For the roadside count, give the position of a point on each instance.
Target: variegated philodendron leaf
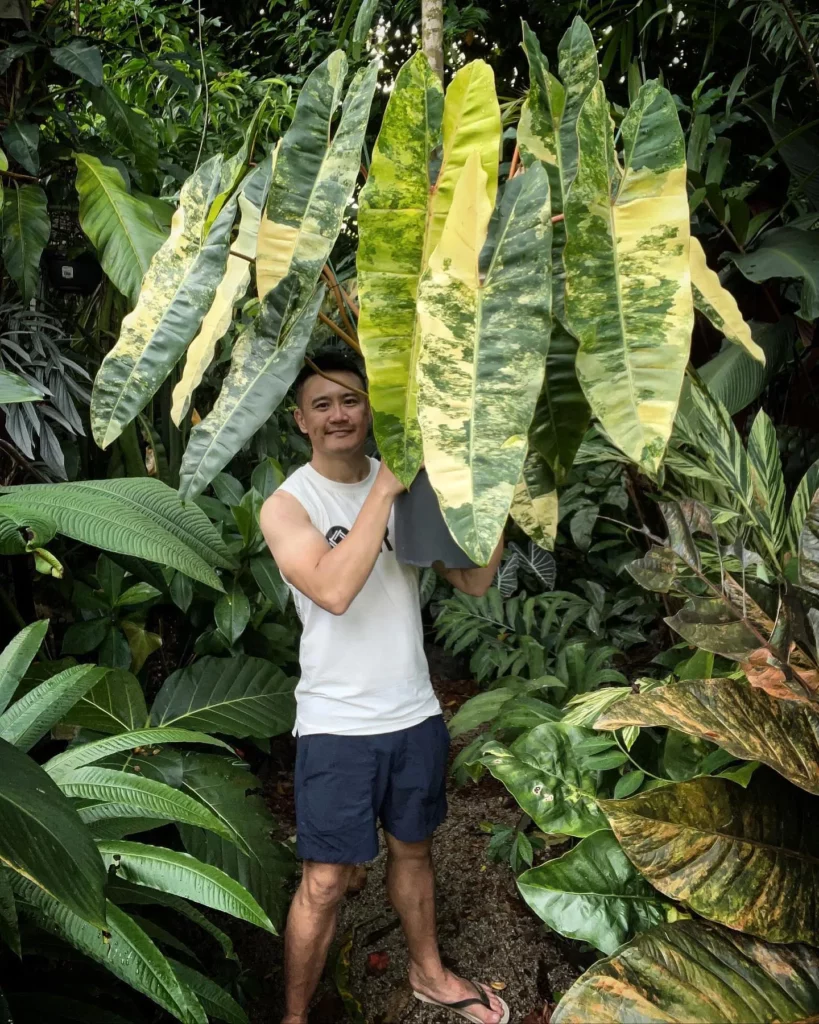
(314, 178)
(266, 359)
(400, 221)
(718, 304)
(628, 284)
(176, 293)
(483, 351)
(534, 504)
(231, 288)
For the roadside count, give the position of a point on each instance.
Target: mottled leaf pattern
(628, 288)
(481, 365)
(534, 503)
(709, 623)
(718, 304)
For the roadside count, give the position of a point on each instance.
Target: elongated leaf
(232, 287)
(119, 225)
(534, 504)
(26, 229)
(116, 704)
(176, 293)
(14, 388)
(809, 548)
(127, 952)
(314, 179)
(484, 346)
(81, 59)
(143, 796)
(269, 580)
(790, 253)
(87, 753)
(129, 127)
(240, 696)
(593, 893)
(9, 926)
(542, 773)
(710, 624)
(745, 721)
(718, 304)
(727, 853)
(216, 1002)
(22, 141)
(691, 972)
(266, 360)
(16, 657)
(768, 480)
(43, 840)
(232, 613)
(32, 715)
(185, 876)
(800, 504)
(628, 293)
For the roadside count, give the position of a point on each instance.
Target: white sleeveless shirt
(363, 672)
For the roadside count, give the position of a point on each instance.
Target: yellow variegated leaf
(231, 288)
(483, 352)
(628, 284)
(534, 503)
(718, 304)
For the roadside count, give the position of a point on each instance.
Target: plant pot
(421, 533)
(80, 274)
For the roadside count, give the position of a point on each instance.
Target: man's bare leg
(311, 925)
(411, 888)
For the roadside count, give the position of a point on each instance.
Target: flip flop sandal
(460, 1007)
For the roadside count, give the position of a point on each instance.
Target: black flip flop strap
(462, 1004)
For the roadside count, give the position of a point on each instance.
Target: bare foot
(449, 988)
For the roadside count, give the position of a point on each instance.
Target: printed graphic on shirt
(336, 534)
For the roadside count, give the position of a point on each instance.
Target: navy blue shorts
(345, 784)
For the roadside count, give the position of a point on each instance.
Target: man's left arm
(474, 582)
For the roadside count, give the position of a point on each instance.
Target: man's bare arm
(474, 582)
(331, 577)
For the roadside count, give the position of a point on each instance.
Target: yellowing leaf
(718, 304)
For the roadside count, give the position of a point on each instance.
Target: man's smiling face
(335, 416)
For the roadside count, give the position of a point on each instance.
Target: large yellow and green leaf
(314, 177)
(177, 291)
(483, 351)
(628, 285)
(534, 503)
(402, 210)
(718, 304)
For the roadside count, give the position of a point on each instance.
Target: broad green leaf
(484, 346)
(628, 291)
(22, 141)
(594, 894)
(269, 580)
(790, 253)
(232, 613)
(216, 1002)
(657, 571)
(14, 388)
(84, 637)
(232, 287)
(130, 128)
(143, 518)
(804, 494)
(707, 622)
(177, 291)
(33, 715)
(26, 229)
(401, 217)
(185, 876)
(727, 852)
(744, 720)
(534, 503)
(543, 774)
(119, 225)
(145, 797)
(87, 753)
(767, 479)
(266, 360)
(114, 705)
(692, 972)
(809, 548)
(481, 708)
(127, 951)
(718, 304)
(16, 657)
(80, 58)
(43, 840)
(239, 696)
(9, 926)
(523, 712)
(314, 178)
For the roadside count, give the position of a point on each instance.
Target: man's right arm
(330, 577)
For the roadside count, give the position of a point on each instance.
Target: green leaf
(185, 876)
(800, 504)
(594, 894)
(119, 225)
(33, 715)
(790, 253)
(363, 23)
(525, 713)
(691, 838)
(22, 141)
(26, 229)
(718, 304)
(767, 477)
(474, 419)
(127, 952)
(116, 704)
(9, 927)
(709, 623)
(80, 58)
(84, 637)
(479, 709)
(266, 360)
(628, 295)
(14, 388)
(534, 503)
(269, 580)
(809, 548)
(115, 651)
(698, 973)
(232, 613)
(543, 774)
(43, 839)
(131, 129)
(656, 571)
(87, 753)
(216, 1002)
(239, 696)
(16, 657)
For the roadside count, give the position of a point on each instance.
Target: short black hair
(330, 362)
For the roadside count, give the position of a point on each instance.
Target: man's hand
(387, 482)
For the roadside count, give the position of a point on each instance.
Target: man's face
(335, 417)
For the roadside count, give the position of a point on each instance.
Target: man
(371, 740)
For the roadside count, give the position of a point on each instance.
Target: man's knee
(324, 885)
(409, 853)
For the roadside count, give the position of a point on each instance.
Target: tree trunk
(432, 34)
